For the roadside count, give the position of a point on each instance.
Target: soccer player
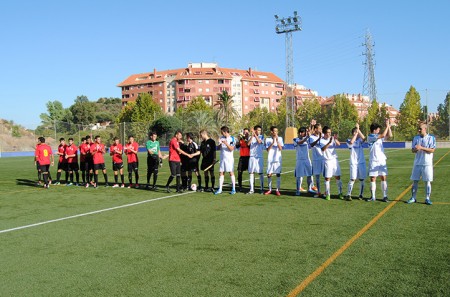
(175, 160)
(190, 165)
(318, 161)
(131, 149)
(71, 154)
(227, 144)
(62, 162)
(116, 152)
(208, 152)
(85, 150)
(153, 158)
(256, 161)
(244, 155)
(38, 167)
(303, 165)
(423, 145)
(328, 145)
(377, 159)
(44, 157)
(357, 162)
(82, 160)
(274, 146)
(97, 151)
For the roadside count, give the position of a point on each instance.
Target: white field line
(110, 209)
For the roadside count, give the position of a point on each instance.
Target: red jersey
(116, 153)
(244, 149)
(72, 150)
(85, 151)
(131, 157)
(97, 151)
(62, 150)
(173, 152)
(43, 153)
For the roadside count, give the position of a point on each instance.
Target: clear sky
(57, 50)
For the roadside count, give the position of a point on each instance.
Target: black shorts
(152, 163)
(189, 167)
(243, 163)
(117, 166)
(83, 166)
(206, 164)
(73, 166)
(175, 168)
(133, 166)
(89, 164)
(44, 168)
(100, 166)
(63, 166)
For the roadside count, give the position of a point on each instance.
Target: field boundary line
(297, 290)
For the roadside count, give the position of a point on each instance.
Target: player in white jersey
(377, 159)
(227, 144)
(357, 162)
(274, 146)
(303, 165)
(423, 145)
(256, 162)
(331, 168)
(317, 155)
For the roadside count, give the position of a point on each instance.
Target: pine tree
(410, 114)
(441, 124)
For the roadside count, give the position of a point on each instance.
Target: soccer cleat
(328, 197)
(122, 186)
(341, 196)
(95, 186)
(115, 186)
(250, 193)
(360, 197)
(136, 186)
(411, 200)
(318, 195)
(106, 185)
(130, 186)
(86, 185)
(232, 192)
(314, 188)
(154, 188)
(57, 183)
(277, 193)
(218, 192)
(385, 199)
(302, 190)
(297, 193)
(428, 202)
(167, 189)
(348, 198)
(69, 184)
(371, 199)
(268, 192)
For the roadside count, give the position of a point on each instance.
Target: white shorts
(331, 168)
(317, 167)
(424, 171)
(303, 168)
(377, 169)
(256, 165)
(226, 165)
(358, 171)
(274, 168)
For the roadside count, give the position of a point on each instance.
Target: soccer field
(73, 241)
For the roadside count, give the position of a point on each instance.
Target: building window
(180, 90)
(199, 81)
(220, 81)
(256, 83)
(207, 90)
(206, 81)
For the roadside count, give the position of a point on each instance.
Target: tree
(202, 120)
(442, 125)
(166, 126)
(342, 115)
(375, 114)
(146, 110)
(226, 112)
(83, 111)
(196, 104)
(309, 110)
(126, 112)
(260, 116)
(55, 112)
(410, 112)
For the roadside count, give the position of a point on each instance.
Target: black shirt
(208, 151)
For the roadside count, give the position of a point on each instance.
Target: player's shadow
(26, 182)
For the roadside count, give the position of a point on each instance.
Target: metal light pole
(287, 26)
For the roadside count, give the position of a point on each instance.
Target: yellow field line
(336, 254)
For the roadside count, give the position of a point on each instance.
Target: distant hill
(14, 137)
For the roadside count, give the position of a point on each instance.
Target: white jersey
(424, 158)
(274, 155)
(256, 149)
(330, 152)
(225, 153)
(316, 150)
(301, 149)
(376, 149)
(356, 151)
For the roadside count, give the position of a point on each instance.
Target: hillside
(14, 137)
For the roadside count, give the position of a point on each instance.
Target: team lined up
(184, 158)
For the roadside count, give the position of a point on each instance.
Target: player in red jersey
(175, 161)
(116, 151)
(88, 161)
(72, 162)
(97, 152)
(131, 150)
(44, 157)
(244, 155)
(82, 160)
(62, 162)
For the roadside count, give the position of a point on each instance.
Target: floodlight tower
(287, 26)
(369, 87)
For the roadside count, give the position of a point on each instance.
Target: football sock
(221, 179)
(71, 177)
(116, 178)
(339, 184)
(206, 181)
(318, 183)
(233, 182)
(199, 180)
(373, 188)
(189, 181)
(252, 182)
(106, 177)
(261, 181)
(45, 176)
(184, 182)
(149, 175)
(350, 187)
(310, 182)
(300, 181)
(122, 178)
(39, 175)
(327, 187)
(130, 177)
(96, 179)
(136, 176)
(213, 181)
(168, 181)
(240, 179)
(155, 178)
(384, 188)
(66, 175)
(361, 187)
(77, 176)
(83, 176)
(428, 189)
(269, 183)
(278, 183)
(414, 188)
(178, 182)
(58, 176)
